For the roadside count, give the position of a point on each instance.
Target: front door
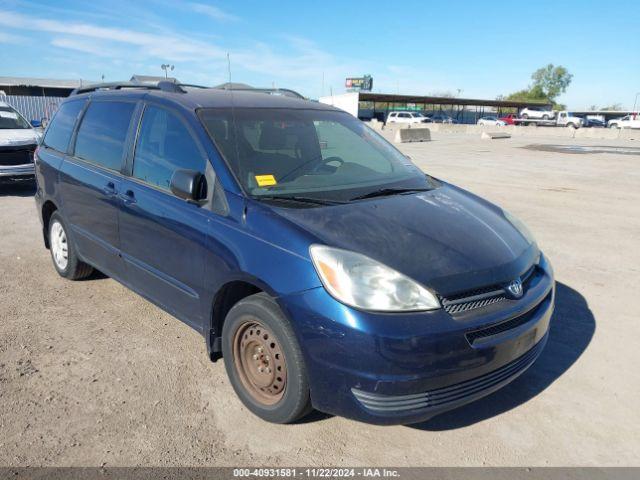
(163, 238)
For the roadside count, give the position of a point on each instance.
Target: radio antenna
(232, 127)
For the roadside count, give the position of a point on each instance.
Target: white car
(407, 118)
(628, 121)
(535, 112)
(493, 121)
(18, 141)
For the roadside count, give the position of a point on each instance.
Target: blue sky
(484, 48)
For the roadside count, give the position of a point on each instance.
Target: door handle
(128, 197)
(109, 189)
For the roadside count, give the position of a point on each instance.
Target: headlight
(521, 227)
(361, 282)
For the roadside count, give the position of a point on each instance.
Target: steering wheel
(324, 165)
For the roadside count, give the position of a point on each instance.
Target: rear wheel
(63, 252)
(524, 115)
(545, 117)
(264, 361)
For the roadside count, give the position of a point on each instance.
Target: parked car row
(410, 117)
(527, 116)
(531, 116)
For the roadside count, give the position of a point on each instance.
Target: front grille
(504, 326)
(480, 297)
(17, 155)
(453, 395)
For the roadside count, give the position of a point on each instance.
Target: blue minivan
(318, 261)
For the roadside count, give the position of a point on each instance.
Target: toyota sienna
(318, 261)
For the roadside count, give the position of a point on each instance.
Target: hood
(447, 239)
(18, 136)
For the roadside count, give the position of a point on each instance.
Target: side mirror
(189, 185)
(36, 123)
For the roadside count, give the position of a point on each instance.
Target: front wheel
(264, 361)
(524, 115)
(545, 117)
(613, 125)
(63, 252)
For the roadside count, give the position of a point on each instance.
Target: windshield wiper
(295, 198)
(385, 192)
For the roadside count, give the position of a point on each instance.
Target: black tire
(545, 117)
(75, 268)
(295, 401)
(524, 115)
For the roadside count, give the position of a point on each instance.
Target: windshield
(315, 153)
(11, 120)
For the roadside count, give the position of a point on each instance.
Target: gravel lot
(92, 374)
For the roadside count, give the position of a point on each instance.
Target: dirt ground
(92, 374)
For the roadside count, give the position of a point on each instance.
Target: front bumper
(26, 171)
(407, 368)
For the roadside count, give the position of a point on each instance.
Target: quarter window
(103, 132)
(164, 146)
(59, 132)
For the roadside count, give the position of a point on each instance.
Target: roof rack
(286, 92)
(165, 86)
(169, 86)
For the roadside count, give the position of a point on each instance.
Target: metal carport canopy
(393, 98)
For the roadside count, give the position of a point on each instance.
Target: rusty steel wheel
(260, 362)
(264, 361)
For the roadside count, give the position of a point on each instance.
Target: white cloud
(212, 12)
(169, 46)
(11, 38)
(287, 61)
(84, 46)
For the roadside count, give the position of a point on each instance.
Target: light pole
(635, 102)
(165, 67)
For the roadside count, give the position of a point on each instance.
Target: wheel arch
(48, 209)
(225, 298)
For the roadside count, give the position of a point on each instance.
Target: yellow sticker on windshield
(265, 180)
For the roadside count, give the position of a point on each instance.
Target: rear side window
(103, 132)
(59, 132)
(164, 146)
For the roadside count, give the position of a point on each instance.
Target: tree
(548, 83)
(531, 94)
(551, 80)
(617, 107)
